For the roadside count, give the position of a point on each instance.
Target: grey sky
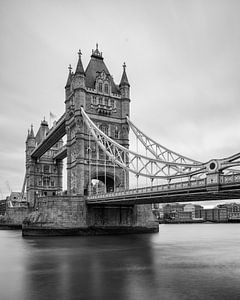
(183, 64)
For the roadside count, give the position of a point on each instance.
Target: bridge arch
(102, 182)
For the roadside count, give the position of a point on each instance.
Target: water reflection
(181, 262)
(90, 267)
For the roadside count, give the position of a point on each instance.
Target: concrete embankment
(13, 217)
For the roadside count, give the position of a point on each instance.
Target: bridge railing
(228, 179)
(152, 189)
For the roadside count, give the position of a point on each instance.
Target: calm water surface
(200, 261)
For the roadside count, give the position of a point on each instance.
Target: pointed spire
(28, 135)
(124, 79)
(31, 133)
(69, 76)
(79, 69)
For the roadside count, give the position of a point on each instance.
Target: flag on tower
(51, 118)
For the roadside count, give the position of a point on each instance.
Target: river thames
(187, 261)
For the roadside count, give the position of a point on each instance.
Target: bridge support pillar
(70, 215)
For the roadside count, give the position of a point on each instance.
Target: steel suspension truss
(140, 165)
(161, 152)
(158, 150)
(165, 163)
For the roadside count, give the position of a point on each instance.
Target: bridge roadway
(188, 191)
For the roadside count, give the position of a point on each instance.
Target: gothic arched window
(100, 87)
(116, 133)
(94, 100)
(106, 101)
(106, 89)
(46, 181)
(112, 103)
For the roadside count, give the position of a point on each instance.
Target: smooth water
(189, 261)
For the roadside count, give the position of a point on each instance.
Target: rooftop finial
(96, 53)
(79, 69)
(124, 79)
(31, 133)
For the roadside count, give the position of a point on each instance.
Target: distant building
(212, 214)
(190, 208)
(184, 216)
(2, 207)
(183, 213)
(16, 199)
(233, 211)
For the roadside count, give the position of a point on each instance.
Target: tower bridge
(99, 200)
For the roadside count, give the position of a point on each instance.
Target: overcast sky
(183, 64)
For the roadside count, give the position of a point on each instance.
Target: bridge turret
(68, 84)
(42, 131)
(78, 84)
(30, 142)
(30, 145)
(125, 92)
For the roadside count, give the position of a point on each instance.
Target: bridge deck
(189, 191)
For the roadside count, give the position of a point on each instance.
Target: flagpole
(50, 125)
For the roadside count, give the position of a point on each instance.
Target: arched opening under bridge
(102, 183)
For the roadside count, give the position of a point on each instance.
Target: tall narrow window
(106, 88)
(100, 100)
(100, 87)
(46, 169)
(94, 100)
(46, 181)
(116, 133)
(106, 101)
(112, 103)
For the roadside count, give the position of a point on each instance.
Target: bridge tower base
(69, 215)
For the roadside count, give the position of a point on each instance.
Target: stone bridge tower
(107, 104)
(43, 175)
(88, 168)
